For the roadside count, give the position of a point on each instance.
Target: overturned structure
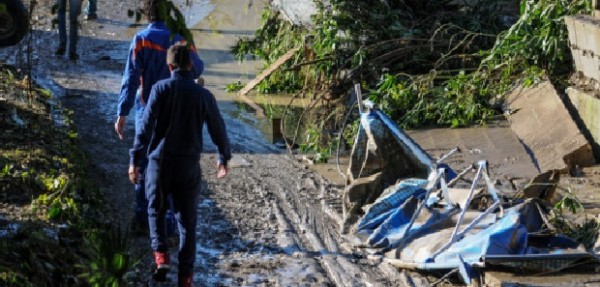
(402, 204)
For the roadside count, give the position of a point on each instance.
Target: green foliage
(568, 202)
(313, 143)
(37, 258)
(433, 63)
(416, 101)
(271, 41)
(539, 38)
(585, 233)
(110, 257)
(448, 80)
(234, 87)
(174, 20)
(43, 165)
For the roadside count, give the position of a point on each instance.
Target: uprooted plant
(433, 62)
(585, 232)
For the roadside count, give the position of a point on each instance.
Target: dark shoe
(163, 264)
(73, 56)
(90, 17)
(60, 51)
(185, 281)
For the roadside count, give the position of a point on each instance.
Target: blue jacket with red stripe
(147, 64)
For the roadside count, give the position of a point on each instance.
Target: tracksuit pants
(141, 203)
(181, 178)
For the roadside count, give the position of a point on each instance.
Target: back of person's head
(178, 56)
(151, 7)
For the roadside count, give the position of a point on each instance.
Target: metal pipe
(479, 218)
(444, 157)
(463, 211)
(444, 187)
(481, 165)
(460, 175)
(358, 91)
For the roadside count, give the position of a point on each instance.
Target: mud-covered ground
(272, 221)
(263, 225)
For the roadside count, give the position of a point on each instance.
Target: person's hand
(119, 125)
(222, 171)
(134, 174)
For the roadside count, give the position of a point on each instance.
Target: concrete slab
(586, 64)
(543, 124)
(495, 143)
(584, 38)
(570, 22)
(579, 23)
(588, 108)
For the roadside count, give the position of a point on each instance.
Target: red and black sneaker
(163, 264)
(185, 281)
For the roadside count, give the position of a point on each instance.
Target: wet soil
(273, 221)
(264, 224)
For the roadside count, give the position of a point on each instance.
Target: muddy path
(271, 222)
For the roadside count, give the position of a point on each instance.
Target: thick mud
(263, 225)
(272, 221)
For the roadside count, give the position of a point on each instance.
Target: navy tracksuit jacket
(171, 136)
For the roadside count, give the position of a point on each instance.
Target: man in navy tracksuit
(146, 64)
(171, 135)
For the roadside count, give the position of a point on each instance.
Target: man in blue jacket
(146, 64)
(171, 135)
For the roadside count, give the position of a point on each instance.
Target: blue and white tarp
(416, 223)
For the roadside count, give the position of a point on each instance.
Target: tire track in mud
(264, 225)
(318, 231)
(292, 200)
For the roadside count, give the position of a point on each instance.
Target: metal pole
(358, 91)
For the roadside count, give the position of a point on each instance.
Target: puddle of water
(270, 125)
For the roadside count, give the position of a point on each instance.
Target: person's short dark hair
(178, 56)
(151, 7)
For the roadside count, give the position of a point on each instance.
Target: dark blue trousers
(141, 203)
(181, 178)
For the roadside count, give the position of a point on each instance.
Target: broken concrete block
(569, 21)
(588, 108)
(584, 38)
(546, 129)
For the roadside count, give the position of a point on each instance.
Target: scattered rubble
(418, 220)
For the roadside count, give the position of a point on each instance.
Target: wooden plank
(243, 92)
(267, 72)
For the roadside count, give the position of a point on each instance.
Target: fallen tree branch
(243, 92)
(267, 72)
(295, 67)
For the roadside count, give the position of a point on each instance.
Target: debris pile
(402, 204)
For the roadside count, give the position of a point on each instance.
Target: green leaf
(54, 212)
